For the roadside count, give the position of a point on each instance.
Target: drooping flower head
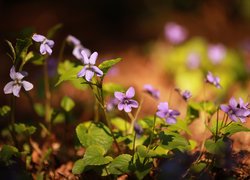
(138, 129)
(46, 44)
(78, 47)
(126, 102)
(168, 114)
(193, 60)
(151, 91)
(214, 80)
(184, 94)
(175, 33)
(236, 110)
(89, 69)
(15, 85)
(216, 53)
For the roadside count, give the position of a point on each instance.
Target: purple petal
(89, 75)
(171, 120)
(8, 88)
(85, 57)
(48, 49)
(73, 40)
(130, 92)
(127, 108)
(82, 72)
(42, 49)
(210, 77)
(233, 117)
(120, 106)
(50, 43)
(77, 53)
(233, 103)
(97, 71)
(225, 108)
(133, 103)
(174, 113)
(13, 73)
(27, 85)
(19, 76)
(243, 120)
(16, 90)
(119, 95)
(161, 114)
(93, 58)
(38, 38)
(163, 107)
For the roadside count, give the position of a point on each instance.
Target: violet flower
(126, 102)
(216, 53)
(236, 110)
(78, 47)
(138, 129)
(175, 33)
(89, 69)
(46, 44)
(15, 85)
(184, 94)
(214, 80)
(151, 91)
(111, 104)
(168, 114)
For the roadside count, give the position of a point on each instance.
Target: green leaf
(12, 49)
(71, 74)
(197, 168)
(22, 46)
(112, 87)
(4, 110)
(78, 166)
(7, 152)
(170, 141)
(120, 165)
(94, 155)
(106, 65)
(120, 123)
(28, 57)
(234, 128)
(180, 125)
(53, 30)
(144, 152)
(218, 148)
(67, 103)
(22, 128)
(95, 134)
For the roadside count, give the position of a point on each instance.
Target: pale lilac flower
(175, 33)
(216, 53)
(126, 102)
(89, 69)
(78, 47)
(46, 44)
(112, 103)
(193, 60)
(15, 85)
(214, 80)
(236, 110)
(151, 91)
(168, 114)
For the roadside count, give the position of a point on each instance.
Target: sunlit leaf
(71, 74)
(12, 49)
(106, 65)
(22, 128)
(4, 110)
(120, 124)
(78, 166)
(234, 128)
(67, 103)
(22, 46)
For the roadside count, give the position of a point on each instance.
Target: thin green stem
(60, 58)
(133, 147)
(152, 135)
(13, 120)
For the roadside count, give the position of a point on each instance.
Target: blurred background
(166, 43)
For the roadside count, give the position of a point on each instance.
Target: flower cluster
(46, 44)
(168, 114)
(126, 102)
(89, 69)
(15, 85)
(236, 110)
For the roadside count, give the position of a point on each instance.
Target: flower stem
(13, 119)
(60, 58)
